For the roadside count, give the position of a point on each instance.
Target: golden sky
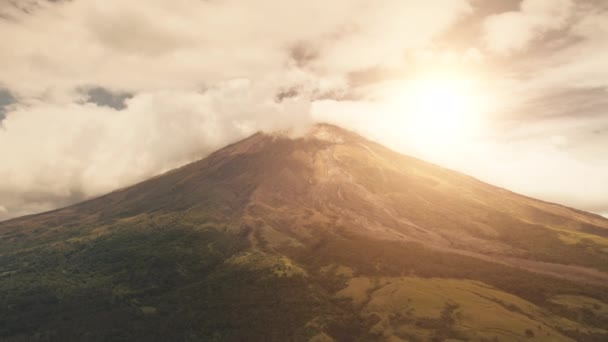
(96, 95)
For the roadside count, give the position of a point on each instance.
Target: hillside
(324, 237)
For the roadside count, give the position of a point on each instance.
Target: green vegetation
(173, 283)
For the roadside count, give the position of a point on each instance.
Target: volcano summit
(324, 237)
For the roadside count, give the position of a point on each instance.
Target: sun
(441, 110)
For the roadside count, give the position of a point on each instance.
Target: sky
(98, 95)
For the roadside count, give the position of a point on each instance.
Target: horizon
(97, 96)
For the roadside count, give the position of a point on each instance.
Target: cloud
(569, 78)
(103, 97)
(582, 63)
(58, 154)
(6, 99)
(509, 32)
(110, 93)
(121, 45)
(100, 95)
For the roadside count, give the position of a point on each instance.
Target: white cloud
(581, 64)
(56, 149)
(512, 31)
(54, 152)
(371, 39)
(123, 45)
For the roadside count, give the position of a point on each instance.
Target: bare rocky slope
(324, 237)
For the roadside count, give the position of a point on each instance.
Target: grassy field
(417, 309)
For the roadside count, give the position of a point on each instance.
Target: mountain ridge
(286, 134)
(317, 229)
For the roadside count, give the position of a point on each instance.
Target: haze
(98, 95)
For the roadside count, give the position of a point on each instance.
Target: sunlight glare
(441, 110)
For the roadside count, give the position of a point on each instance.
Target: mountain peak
(297, 237)
(319, 131)
(331, 133)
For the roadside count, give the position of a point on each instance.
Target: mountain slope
(327, 236)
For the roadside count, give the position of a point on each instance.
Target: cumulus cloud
(61, 153)
(509, 32)
(112, 92)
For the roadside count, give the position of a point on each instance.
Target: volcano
(323, 237)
